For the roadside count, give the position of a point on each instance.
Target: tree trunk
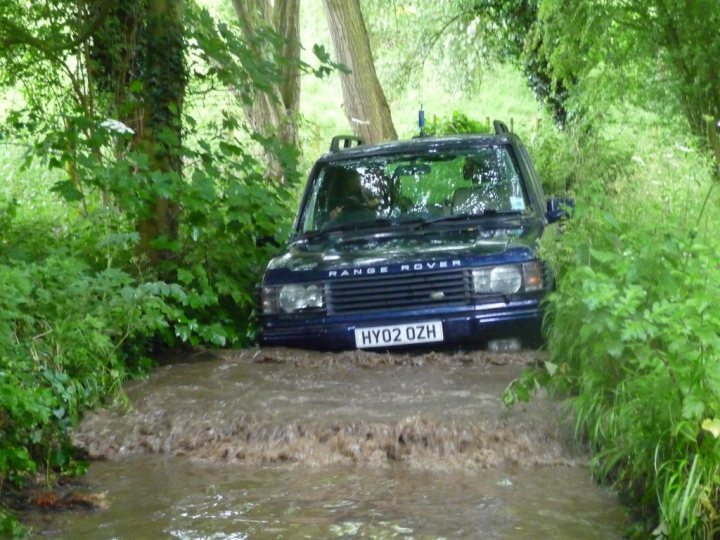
(365, 104)
(274, 112)
(161, 136)
(286, 19)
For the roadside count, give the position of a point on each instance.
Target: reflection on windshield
(385, 191)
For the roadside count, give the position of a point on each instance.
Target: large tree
(273, 108)
(365, 104)
(164, 79)
(81, 62)
(135, 66)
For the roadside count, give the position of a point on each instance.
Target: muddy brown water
(290, 444)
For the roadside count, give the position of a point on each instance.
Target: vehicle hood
(510, 241)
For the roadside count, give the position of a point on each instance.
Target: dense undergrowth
(136, 212)
(65, 331)
(633, 329)
(81, 309)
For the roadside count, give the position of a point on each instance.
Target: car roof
(419, 145)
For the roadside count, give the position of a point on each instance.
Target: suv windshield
(382, 190)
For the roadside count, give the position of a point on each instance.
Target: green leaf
(602, 256)
(693, 407)
(711, 425)
(67, 190)
(612, 221)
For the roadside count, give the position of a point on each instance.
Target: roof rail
(345, 140)
(500, 127)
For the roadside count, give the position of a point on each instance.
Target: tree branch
(17, 35)
(425, 47)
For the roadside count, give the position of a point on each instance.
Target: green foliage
(215, 201)
(456, 43)
(63, 328)
(82, 298)
(456, 124)
(421, 42)
(643, 327)
(633, 336)
(573, 159)
(579, 57)
(531, 380)
(658, 54)
(10, 527)
(73, 325)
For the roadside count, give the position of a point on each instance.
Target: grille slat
(384, 295)
(422, 289)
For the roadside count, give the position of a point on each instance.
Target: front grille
(398, 291)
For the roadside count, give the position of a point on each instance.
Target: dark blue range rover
(426, 242)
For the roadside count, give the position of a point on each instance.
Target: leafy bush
(456, 124)
(633, 339)
(634, 335)
(226, 204)
(569, 160)
(62, 332)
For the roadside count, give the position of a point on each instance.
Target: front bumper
(463, 325)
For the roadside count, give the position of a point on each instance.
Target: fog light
(504, 345)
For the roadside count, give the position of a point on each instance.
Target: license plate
(398, 334)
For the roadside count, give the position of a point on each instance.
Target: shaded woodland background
(146, 145)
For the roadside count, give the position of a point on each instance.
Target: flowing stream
(294, 444)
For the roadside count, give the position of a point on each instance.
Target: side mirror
(262, 241)
(559, 208)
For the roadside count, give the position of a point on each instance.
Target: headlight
(295, 297)
(292, 297)
(314, 296)
(505, 279)
(509, 278)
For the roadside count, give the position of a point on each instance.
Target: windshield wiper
(465, 217)
(413, 224)
(360, 225)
